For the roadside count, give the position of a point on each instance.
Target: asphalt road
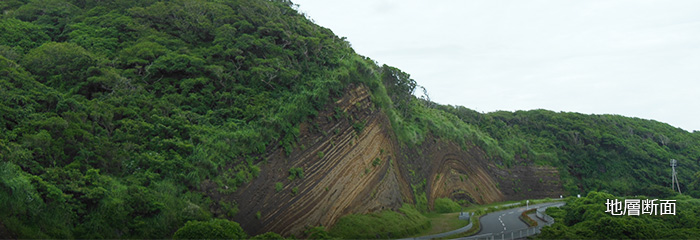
(506, 220)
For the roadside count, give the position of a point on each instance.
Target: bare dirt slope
(352, 163)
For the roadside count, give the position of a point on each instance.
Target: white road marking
(502, 223)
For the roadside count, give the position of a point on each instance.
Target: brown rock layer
(349, 167)
(352, 163)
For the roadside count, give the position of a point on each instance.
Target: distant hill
(139, 118)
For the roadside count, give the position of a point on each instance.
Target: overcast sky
(633, 58)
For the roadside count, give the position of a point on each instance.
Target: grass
(446, 205)
(442, 222)
(386, 224)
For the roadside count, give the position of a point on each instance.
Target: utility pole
(674, 177)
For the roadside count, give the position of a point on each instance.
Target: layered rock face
(352, 163)
(349, 165)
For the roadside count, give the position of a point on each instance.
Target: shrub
(317, 233)
(268, 235)
(376, 162)
(278, 186)
(446, 205)
(212, 229)
(296, 172)
(527, 219)
(359, 126)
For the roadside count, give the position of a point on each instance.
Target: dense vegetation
(212, 229)
(113, 113)
(104, 103)
(626, 156)
(585, 218)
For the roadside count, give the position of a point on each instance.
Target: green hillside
(625, 156)
(113, 113)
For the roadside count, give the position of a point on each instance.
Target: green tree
(212, 229)
(399, 86)
(52, 15)
(20, 35)
(60, 65)
(694, 186)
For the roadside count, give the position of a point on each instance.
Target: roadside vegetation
(527, 219)
(446, 205)
(585, 218)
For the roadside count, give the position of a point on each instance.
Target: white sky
(634, 58)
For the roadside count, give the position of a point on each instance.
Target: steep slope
(352, 163)
(341, 173)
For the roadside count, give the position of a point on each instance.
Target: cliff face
(458, 173)
(352, 163)
(349, 163)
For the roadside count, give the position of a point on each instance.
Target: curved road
(507, 220)
(497, 222)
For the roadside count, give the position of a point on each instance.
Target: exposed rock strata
(353, 164)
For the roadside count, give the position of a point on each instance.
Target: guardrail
(520, 233)
(546, 218)
(442, 235)
(465, 216)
